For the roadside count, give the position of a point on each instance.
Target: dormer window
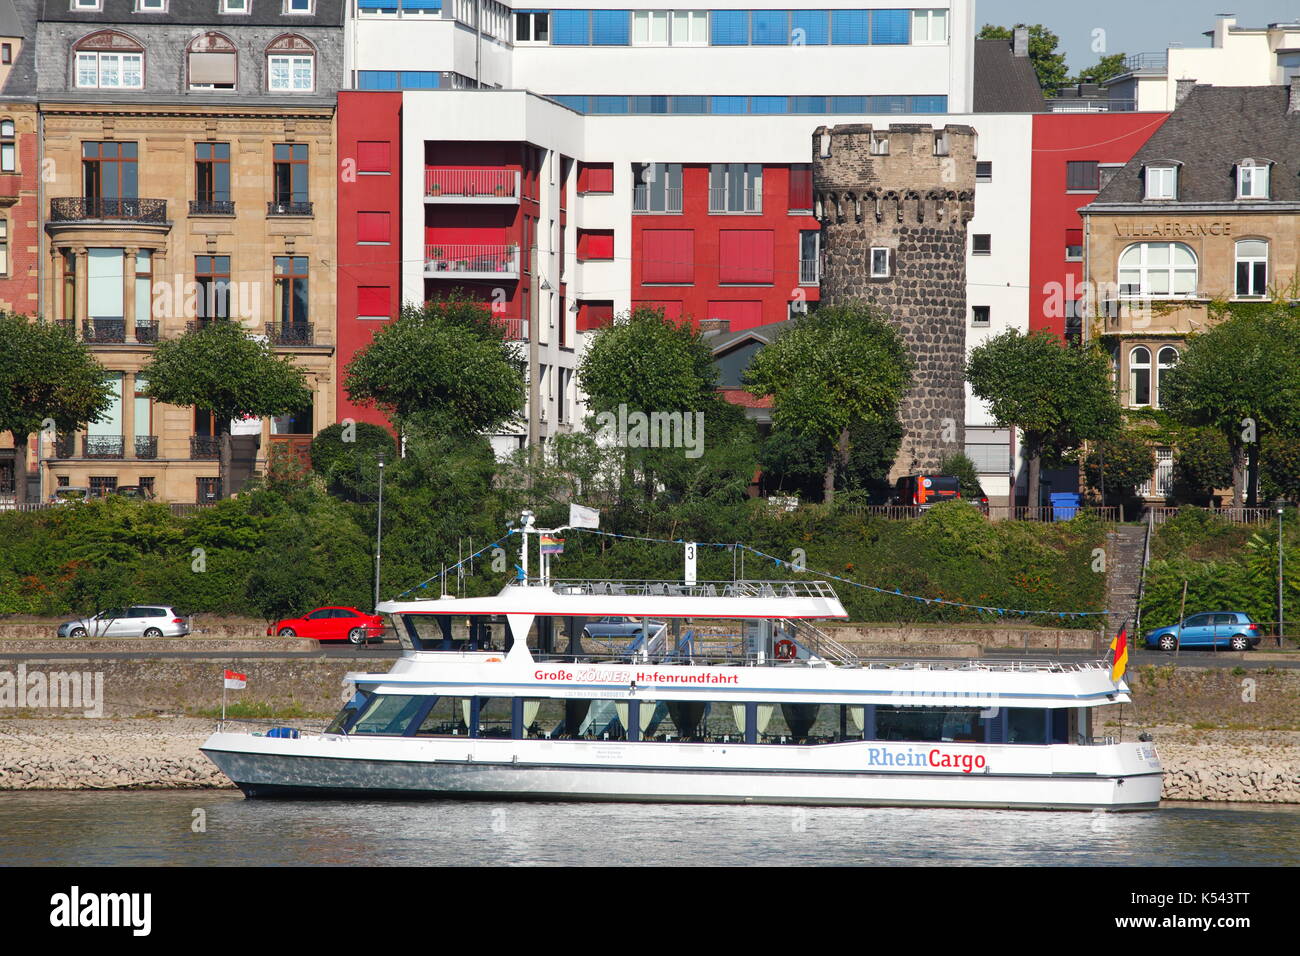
(212, 62)
(291, 65)
(150, 6)
(109, 60)
(234, 6)
(1252, 180)
(86, 5)
(1161, 182)
(298, 6)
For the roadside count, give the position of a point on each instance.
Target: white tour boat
(719, 692)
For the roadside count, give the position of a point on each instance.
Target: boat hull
(308, 768)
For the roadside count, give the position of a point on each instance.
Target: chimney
(1020, 45)
(1293, 104)
(1185, 87)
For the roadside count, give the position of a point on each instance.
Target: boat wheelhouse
(727, 692)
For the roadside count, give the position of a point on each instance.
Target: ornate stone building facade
(894, 205)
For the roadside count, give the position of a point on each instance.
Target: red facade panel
(668, 255)
(670, 309)
(595, 244)
(373, 227)
(745, 255)
(595, 177)
(741, 314)
(374, 301)
(801, 188)
(374, 156)
(594, 315)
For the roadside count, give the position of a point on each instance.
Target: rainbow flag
(552, 545)
(1119, 663)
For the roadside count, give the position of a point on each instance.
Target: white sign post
(690, 562)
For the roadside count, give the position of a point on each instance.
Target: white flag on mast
(583, 517)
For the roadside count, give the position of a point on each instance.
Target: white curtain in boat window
(530, 712)
(859, 715)
(104, 283)
(644, 716)
(764, 716)
(110, 422)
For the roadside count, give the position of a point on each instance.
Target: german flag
(1119, 647)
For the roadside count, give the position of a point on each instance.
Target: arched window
(1157, 269)
(290, 65)
(8, 147)
(1252, 266)
(1166, 359)
(212, 62)
(1139, 377)
(109, 60)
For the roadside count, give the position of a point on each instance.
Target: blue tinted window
(848, 104)
(809, 104)
(890, 26)
(848, 26)
(729, 27)
(649, 104)
(929, 104)
(610, 27)
(569, 27)
(730, 104)
(578, 103)
(768, 104)
(771, 27)
(690, 104)
(421, 4)
(889, 104)
(812, 23)
(378, 5)
(377, 80)
(419, 79)
(609, 104)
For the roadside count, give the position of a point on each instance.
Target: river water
(166, 828)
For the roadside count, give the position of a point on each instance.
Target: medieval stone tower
(893, 205)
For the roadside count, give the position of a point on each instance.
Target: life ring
(785, 650)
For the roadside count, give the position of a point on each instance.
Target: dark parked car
(924, 491)
(1226, 629)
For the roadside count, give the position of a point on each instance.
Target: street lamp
(1280, 607)
(379, 529)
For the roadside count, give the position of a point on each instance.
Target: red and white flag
(236, 681)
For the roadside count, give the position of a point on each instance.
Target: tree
(1104, 69)
(220, 367)
(45, 373)
(1279, 466)
(1126, 462)
(1242, 378)
(1202, 464)
(1058, 395)
(347, 457)
(963, 469)
(841, 366)
(1048, 64)
(446, 361)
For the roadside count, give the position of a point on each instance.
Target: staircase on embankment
(1125, 555)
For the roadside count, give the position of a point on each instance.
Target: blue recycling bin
(1065, 505)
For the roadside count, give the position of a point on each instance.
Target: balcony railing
(723, 200)
(466, 261)
(65, 445)
(83, 208)
(516, 330)
(146, 332)
(1147, 61)
(100, 331)
(300, 334)
(146, 446)
(475, 184)
(105, 446)
(276, 208)
(667, 200)
(212, 207)
(809, 273)
(67, 325)
(205, 447)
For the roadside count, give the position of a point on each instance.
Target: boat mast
(525, 529)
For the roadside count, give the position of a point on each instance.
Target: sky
(1131, 26)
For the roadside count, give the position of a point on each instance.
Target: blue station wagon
(1221, 629)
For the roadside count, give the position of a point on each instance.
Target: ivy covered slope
(1227, 567)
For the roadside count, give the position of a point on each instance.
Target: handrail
(704, 656)
(742, 588)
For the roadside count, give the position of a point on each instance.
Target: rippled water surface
(156, 829)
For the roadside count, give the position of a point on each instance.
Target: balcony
(104, 331)
(723, 200)
(1157, 62)
(276, 208)
(809, 273)
(212, 207)
(299, 334)
(492, 186)
(666, 200)
(146, 332)
(65, 445)
(516, 330)
(445, 261)
(86, 209)
(105, 446)
(205, 447)
(67, 325)
(146, 446)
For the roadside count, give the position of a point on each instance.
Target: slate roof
(18, 18)
(207, 13)
(1004, 82)
(1208, 134)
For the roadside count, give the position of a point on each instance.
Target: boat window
(494, 718)
(552, 719)
(388, 714)
(450, 717)
(340, 721)
(1026, 725)
(925, 724)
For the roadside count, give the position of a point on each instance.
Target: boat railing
(310, 729)
(742, 588)
(697, 653)
(818, 642)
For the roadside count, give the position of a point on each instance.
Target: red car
(332, 624)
